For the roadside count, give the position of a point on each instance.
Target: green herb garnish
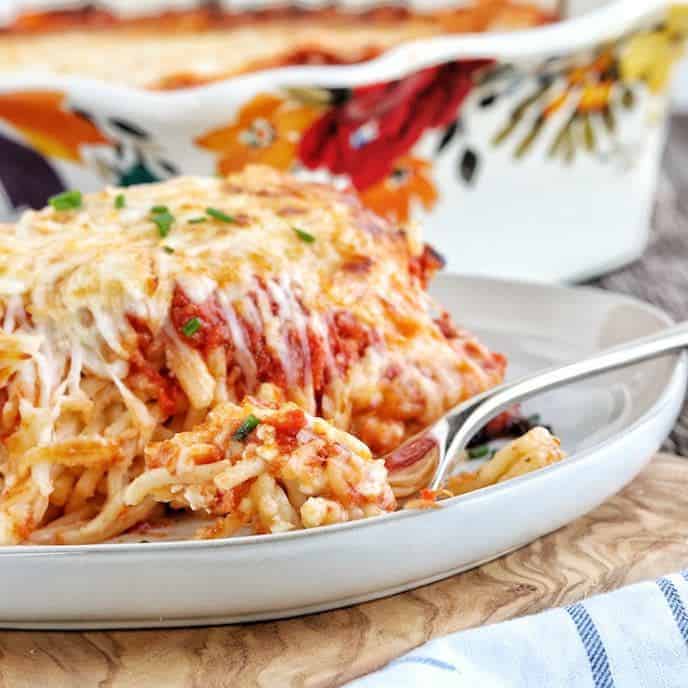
(163, 219)
(191, 326)
(304, 236)
(478, 452)
(219, 215)
(120, 201)
(160, 209)
(168, 249)
(67, 200)
(246, 428)
(197, 220)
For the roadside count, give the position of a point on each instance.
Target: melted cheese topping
(98, 260)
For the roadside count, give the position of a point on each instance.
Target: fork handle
(635, 351)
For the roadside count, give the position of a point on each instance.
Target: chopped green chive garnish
(191, 326)
(197, 220)
(168, 249)
(478, 452)
(219, 215)
(67, 200)
(120, 201)
(163, 219)
(160, 209)
(304, 236)
(246, 428)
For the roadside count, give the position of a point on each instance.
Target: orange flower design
(267, 131)
(408, 182)
(45, 123)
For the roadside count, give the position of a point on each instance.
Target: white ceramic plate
(610, 427)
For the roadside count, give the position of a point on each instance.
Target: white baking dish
(545, 170)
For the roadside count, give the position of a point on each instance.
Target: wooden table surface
(640, 534)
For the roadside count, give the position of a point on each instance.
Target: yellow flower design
(267, 131)
(650, 55)
(408, 182)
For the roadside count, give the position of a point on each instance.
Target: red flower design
(363, 136)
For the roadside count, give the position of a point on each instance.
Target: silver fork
(452, 433)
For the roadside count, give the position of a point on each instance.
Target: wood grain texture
(639, 534)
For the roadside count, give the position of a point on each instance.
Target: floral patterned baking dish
(529, 153)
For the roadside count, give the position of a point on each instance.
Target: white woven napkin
(635, 637)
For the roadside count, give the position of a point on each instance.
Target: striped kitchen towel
(635, 637)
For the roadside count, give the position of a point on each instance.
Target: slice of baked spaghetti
(129, 315)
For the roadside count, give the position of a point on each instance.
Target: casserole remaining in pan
(178, 49)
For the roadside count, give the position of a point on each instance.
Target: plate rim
(679, 375)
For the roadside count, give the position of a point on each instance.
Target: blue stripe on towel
(673, 599)
(685, 574)
(427, 661)
(594, 648)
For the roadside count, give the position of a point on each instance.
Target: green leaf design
(310, 96)
(569, 147)
(559, 142)
(588, 133)
(468, 166)
(609, 119)
(530, 137)
(447, 136)
(137, 174)
(517, 114)
(627, 98)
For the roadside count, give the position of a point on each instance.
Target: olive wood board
(639, 534)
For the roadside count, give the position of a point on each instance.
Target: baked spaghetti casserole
(241, 347)
(186, 48)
